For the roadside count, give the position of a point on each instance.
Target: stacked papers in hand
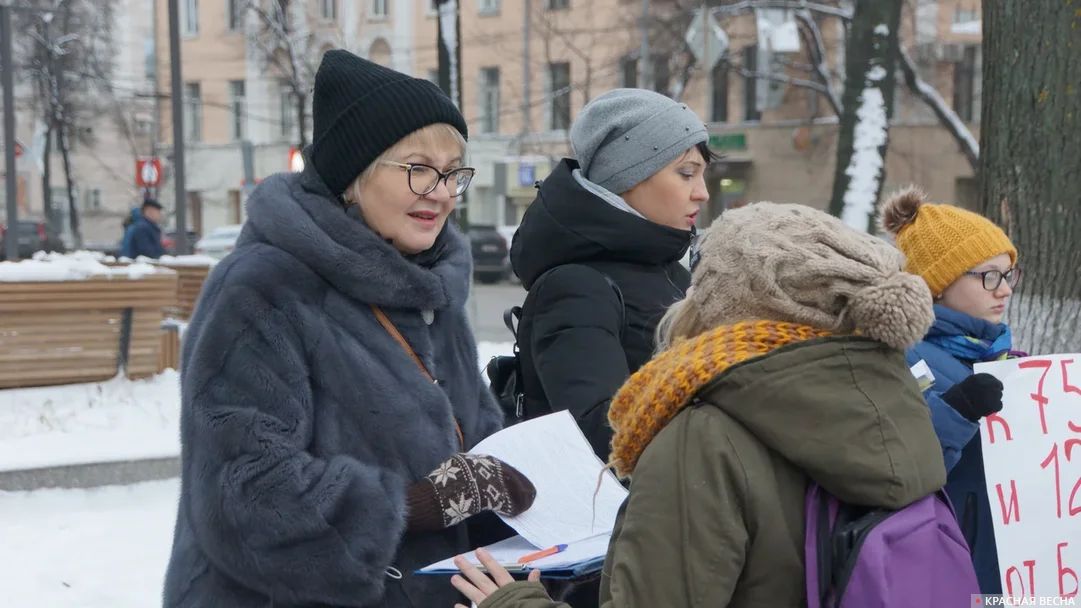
(582, 557)
(576, 497)
(576, 505)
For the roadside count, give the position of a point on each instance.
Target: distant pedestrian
(143, 235)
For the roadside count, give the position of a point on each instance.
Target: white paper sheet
(508, 552)
(923, 375)
(552, 452)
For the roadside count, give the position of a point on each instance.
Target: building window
(193, 111)
(329, 10)
(964, 85)
(629, 68)
(92, 200)
(558, 5)
(191, 17)
(288, 107)
(488, 7)
(662, 74)
(719, 92)
(965, 15)
(379, 7)
(750, 84)
(559, 79)
(237, 109)
(235, 16)
(489, 100)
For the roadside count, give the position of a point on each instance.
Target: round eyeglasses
(423, 179)
(993, 278)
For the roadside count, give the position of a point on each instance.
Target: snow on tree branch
(949, 119)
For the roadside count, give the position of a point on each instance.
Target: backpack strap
(509, 316)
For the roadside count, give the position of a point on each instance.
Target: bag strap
(388, 325)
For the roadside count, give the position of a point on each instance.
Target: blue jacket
(303, 421)
(961, 447)
(143, 237)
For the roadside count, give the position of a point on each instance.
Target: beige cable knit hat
(792, 263)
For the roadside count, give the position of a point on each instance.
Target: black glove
(975, 396)
(464, 485)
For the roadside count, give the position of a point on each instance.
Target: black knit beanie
(361, 108)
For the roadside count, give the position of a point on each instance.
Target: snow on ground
(105, 421)
(103, 547)
(99, 548)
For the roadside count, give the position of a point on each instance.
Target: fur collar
(299, 215)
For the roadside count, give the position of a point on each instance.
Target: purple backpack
(859, 557)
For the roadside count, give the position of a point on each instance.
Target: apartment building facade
(528, 66)
(104, 149)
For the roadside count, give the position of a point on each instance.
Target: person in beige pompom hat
(783, 365)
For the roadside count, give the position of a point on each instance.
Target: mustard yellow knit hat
(941, 242)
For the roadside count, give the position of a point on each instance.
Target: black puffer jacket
(578, 345)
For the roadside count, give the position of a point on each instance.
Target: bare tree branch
(746, 5)
(816, 48)
(796, 82)
(949, 119)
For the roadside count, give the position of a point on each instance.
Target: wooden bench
(63, 332)
(190, 279)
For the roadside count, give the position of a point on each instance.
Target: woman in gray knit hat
(784, 365)
(599, 252)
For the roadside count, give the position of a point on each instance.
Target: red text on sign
(1063, 572)
(1040, 399)
(1013, 572)
(1013, 510)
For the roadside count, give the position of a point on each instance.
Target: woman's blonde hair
(432, 136)
(680, 321)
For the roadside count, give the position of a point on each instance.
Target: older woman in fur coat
(330, 380)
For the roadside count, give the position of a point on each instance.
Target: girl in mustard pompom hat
(970, 265)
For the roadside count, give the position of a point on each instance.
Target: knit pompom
(900, 209)
(897, 311)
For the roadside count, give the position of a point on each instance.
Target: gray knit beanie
(795, 264)
(626, 135)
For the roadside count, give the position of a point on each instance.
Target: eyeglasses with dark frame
(992, 279)
(423, 179)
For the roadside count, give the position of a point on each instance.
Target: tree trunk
(73, 210)
(1030, 161)
(302, 118)
(870, 52)
(47, 182)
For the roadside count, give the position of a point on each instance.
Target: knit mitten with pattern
(463, 486)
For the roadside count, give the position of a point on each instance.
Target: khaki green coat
(715, 516)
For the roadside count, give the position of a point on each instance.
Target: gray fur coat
(303, 421)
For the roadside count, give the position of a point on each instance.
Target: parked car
(508, 236)
(220, 242)
(168, 240)
(491, 263)
(32, 236)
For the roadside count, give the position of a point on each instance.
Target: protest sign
(1032, 459)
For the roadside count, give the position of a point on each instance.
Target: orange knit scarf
(664, 386)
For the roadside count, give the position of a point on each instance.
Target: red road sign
(148, 172)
